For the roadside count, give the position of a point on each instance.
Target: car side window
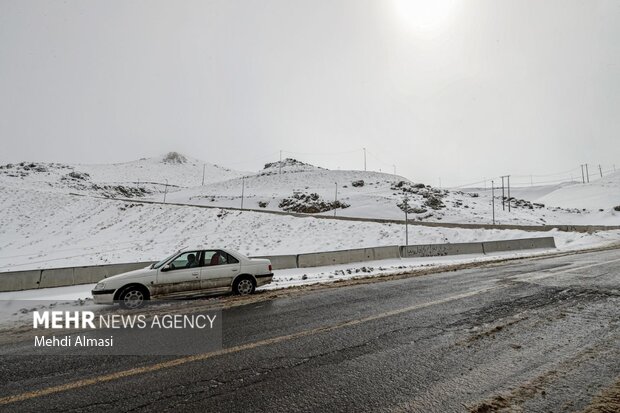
(211, 258)
(215, 257)
(231, 259)
(189, 259)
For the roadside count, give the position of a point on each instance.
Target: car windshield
(162, 262)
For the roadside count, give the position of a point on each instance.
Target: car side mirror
(165, 268)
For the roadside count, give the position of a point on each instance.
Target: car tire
(133, 297)
(244, 285)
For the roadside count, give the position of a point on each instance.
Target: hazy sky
(441, 88)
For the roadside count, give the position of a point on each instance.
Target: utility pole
(587, 173)
(583, 177)
(336, 199)
(508, 193)
(493, 199)
(503, 197)
(406, 205)
(280, 164)
(531, 180)
(204, 166)
(365, 160)
(165, 191)
(242, 190)
(507, 177)
(600, 170)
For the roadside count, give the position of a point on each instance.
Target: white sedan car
(185, 273)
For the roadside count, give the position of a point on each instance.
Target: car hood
(128, 275)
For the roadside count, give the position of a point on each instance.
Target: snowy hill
(603, 193)
(53, 214)
(300, 187)
(47, 230)
(130, 179)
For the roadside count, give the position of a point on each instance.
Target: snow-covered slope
(304, 188)
(53, 215)
(603, 193)
(130, 179)
(43, 230)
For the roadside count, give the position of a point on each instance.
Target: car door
(182, 274)
(219, 270)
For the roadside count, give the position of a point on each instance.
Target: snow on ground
(17, 306)
(377, 195)
(43, 223)
(299, 187)
(601, 193)
(136, 178)
(47, 230)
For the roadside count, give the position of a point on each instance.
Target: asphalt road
(529, 335)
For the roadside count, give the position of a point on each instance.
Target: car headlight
(99, 286)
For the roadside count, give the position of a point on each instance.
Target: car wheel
(132, 297)
(244, 286)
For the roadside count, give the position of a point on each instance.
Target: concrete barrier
(58, 277)
(385, 253)
(518, 244)
(20, 280)
(319, 259)
(93, 274)
(282, 262)
(439, 250)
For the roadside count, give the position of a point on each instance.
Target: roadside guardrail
(59, 277)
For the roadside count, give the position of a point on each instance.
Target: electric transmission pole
(280, 167)
(507, 177)
(406, 205)
(508, 193)
(583, 177)
(600, 170)
(587, 173)
(242, 190)
(336, 199)
(503, 195)
(364, 159)
(493, 199)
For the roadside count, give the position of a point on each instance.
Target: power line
(323, 153)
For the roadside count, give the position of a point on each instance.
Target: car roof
(203, 248)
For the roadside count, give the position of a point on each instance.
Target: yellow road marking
(198, 357)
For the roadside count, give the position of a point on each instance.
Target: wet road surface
(528, 335)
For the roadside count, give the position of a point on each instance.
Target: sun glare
(425, 15)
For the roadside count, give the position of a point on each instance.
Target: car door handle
(235, 269)
(195, 273)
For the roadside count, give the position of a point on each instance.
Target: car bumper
(103, 296)
(263, 279)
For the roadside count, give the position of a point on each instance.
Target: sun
(425, 15)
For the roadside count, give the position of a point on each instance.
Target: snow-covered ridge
(380, 195)
(47, 230)
(288, 165)
(146, 176)
(43, 226)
